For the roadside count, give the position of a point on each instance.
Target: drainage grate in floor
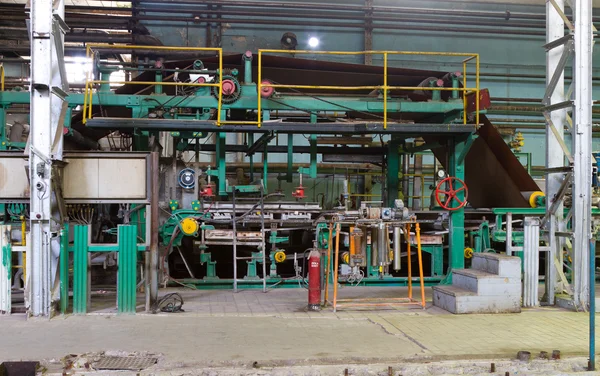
(129, 363)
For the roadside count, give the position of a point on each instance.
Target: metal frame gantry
(577, 172)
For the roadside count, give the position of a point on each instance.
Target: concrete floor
(224, 329)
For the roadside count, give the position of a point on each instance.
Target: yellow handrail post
(1, 77)
(259, 90)
(220, 51)
(328, 267)
(465, 92)
(477, 93)
(385, 89)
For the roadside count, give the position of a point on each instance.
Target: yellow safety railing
(1, 77)
(89, 84)
(385, 87)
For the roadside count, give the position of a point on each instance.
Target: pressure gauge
(187, 178)
(441, 174)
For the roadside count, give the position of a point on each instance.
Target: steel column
(582, 151)
(47, 109)
(457, 217)
(80, 269)
(393, 169)
(127, 275)
(555, 29)
(531, 260)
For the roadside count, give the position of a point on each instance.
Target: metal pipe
(374, 246)
(397, 248)
(383, 254)
(592, 322)
(152, 275)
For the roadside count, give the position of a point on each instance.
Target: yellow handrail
(88, 93)
(465, 90)
(1, 77)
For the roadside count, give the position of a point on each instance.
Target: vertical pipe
(464, 92)
(328, 270)
(262, 231)
(374, 246)
(220, 104)
(409, 279)
(531, 236)
(64, 269)
(592, 342)
(336, 263)
(259, 90)
(477, 94)
(152, 264)
(5, 270)
(417, 204)
(397, 248)
(420, 256)
(385, 89)
(383, 252)
(234, 240)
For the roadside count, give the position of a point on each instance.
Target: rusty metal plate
(129, 363)
(493, 174)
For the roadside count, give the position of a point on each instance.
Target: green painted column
(251, 157)
(221, 145)
(457, 151)
(393, 169)
(64, 269)
(127, 273)
(80, 269)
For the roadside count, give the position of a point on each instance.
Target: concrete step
(495, 263)
(484, 283)
(460, 301)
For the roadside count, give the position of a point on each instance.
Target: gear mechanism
(231, 89)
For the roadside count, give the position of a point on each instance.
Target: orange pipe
(407, 236)
(327, 271)
(418, 234)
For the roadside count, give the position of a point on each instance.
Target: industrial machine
(255, 156)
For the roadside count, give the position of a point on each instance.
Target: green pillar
(64, 269)
(221, 145)
(80, 269)
(393, 169)
(457, 151)
(127, 273)
(265, 168)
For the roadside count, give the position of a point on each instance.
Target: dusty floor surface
(256, 333)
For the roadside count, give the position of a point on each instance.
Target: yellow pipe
(385, 90)
(371, 52)
(24, 243)
(464, 92)
(220, 88)
(1, 77)
(477, 97)
(420, 256)
(259, 89)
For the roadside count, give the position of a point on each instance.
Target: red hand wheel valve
(449, 188)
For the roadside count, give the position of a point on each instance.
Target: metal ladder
(263, 245)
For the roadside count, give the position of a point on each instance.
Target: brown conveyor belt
(494, 175)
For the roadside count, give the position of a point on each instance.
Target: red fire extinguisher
(314, 280)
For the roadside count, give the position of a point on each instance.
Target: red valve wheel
(449, 188)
